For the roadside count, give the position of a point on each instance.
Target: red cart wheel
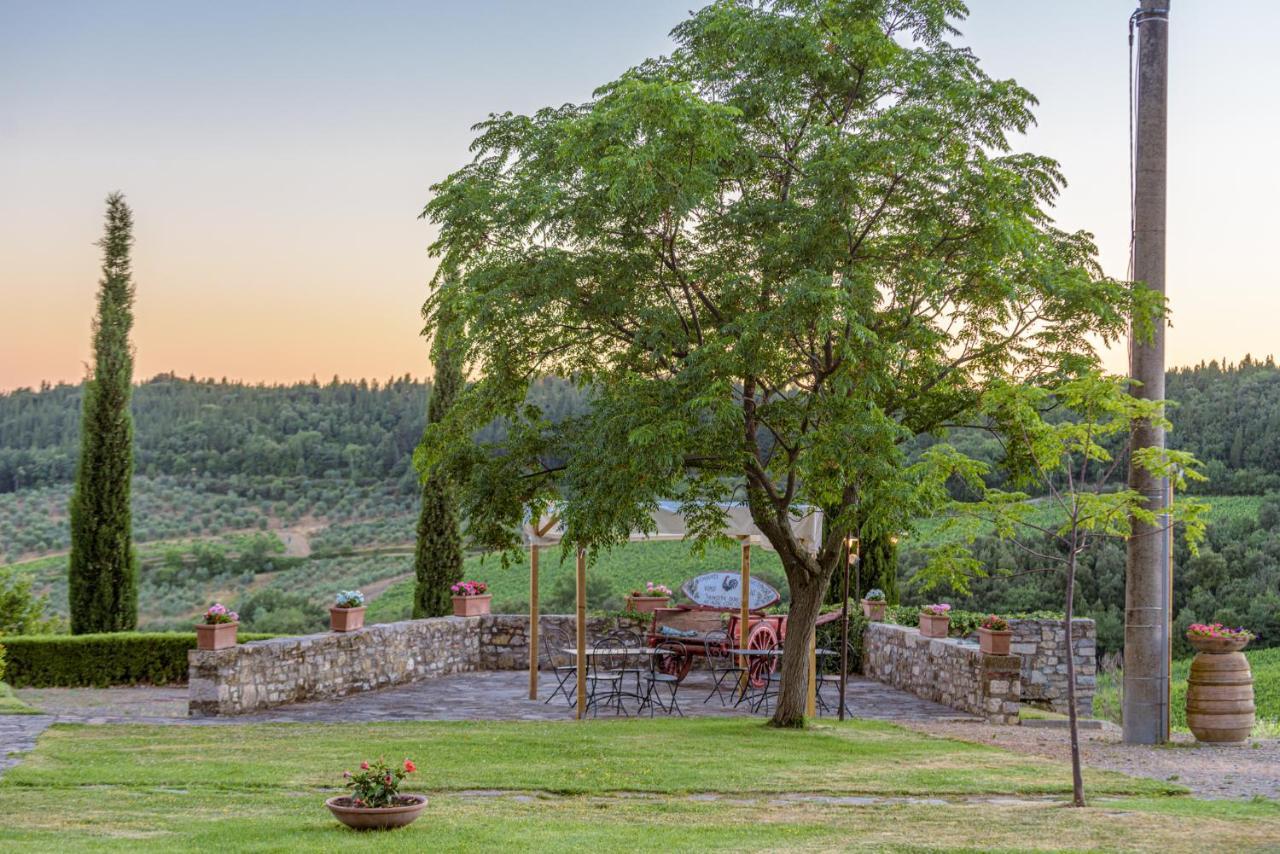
(763, 636)
(674, 663)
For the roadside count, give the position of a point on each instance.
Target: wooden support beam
(811, 702)
(533, 622)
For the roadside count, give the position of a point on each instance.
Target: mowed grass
(11, 705)
(696, 785)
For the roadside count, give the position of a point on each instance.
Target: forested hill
(1228, 415)
(357, 430)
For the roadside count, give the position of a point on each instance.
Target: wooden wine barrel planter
(1220, 697)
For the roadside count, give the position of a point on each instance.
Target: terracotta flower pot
(216, 636)
(646, 604)
(873, 609)
(934, 627)
(380, 818)
(346, 619)
(994, 642)
(471, 606)
(1218, 645)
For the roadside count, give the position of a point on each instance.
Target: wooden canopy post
(744, 616)
(811, 702)
(582, 634)
(533, 621)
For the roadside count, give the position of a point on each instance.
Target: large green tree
(774, 256)
(437, 558)
(103, 569)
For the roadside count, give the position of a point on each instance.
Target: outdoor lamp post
(850, 553)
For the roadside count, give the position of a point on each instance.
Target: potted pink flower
(935, 620)
(994, 635)
(347, 612)
(470, 598)
(653, 597)
(217, 628)
(375, 802)
(1217, 638)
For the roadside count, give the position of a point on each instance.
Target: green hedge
(963, 623)
(122, 658)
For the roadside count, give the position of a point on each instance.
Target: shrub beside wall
(100, 660)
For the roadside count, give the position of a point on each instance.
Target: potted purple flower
(994, 635)
(653, 597)
(347, 613)
(375, 802)
(217, 628)
(470, 598)
(935, 620)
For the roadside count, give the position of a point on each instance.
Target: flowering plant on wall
(349, 599)
(654, 590)
(218, 613)
(995, 623)
(875, 594)
(939, 610)
(470, 588)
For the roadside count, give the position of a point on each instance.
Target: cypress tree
(103, 569)
(437, 561)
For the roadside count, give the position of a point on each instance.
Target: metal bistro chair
(635, 665)
(553, 658)
(604, 678)
(829, 678)
(721, 665)
(665, 671)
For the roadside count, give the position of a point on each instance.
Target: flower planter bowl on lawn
(934, 627)
(646, 604)
(994, 642)
(346, 619)
(406, 811)
(873, 609)
(216, 636)
(471, 606)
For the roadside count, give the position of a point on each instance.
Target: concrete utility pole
(1146, 596)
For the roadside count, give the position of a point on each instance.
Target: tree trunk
(806, 602)
(1077, 777)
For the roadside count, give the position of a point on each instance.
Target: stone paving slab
(492, 695)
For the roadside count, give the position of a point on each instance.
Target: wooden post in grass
(744, 616)
(533, 621)
(582, 634)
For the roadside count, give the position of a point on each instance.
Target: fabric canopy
(669, 524)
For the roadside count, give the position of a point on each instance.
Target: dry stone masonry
(1042, 646)
(945, 670)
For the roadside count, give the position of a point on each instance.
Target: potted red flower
(375, 802)
(653, 597)
(347, 613)
(935, 620)
(470, 598)
(874, 605)
(994, 635)
(217, 628)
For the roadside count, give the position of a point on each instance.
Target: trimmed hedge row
(102, 660)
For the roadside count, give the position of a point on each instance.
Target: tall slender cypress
(437, 561)
(103, 570)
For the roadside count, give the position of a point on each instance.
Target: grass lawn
(11, 705)
(662, 785)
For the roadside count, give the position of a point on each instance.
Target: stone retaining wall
(1042, 646)
(945, 670)
(262, 674)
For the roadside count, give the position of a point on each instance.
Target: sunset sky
(277, 155)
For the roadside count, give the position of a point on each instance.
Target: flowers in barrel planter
(347, 613)
(375, 800)
(653, 596)
(470, 598)
(217, 628)
(994, 635)
(874, 605)
(1215, 637)
(935, 620)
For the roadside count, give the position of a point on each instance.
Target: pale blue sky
(277, 154)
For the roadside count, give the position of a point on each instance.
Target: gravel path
(1208, 770)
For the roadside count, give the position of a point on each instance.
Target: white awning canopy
(669, 524)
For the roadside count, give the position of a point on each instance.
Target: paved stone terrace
(495, 695)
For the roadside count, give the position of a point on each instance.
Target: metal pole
(844, 626)
(1146, 659)
(533, 622)
(744, 614)
(582, 633)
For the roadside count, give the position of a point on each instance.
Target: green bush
(963, 623)
(118, 658)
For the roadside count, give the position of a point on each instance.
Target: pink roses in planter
(935, 620)
(470, 598)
